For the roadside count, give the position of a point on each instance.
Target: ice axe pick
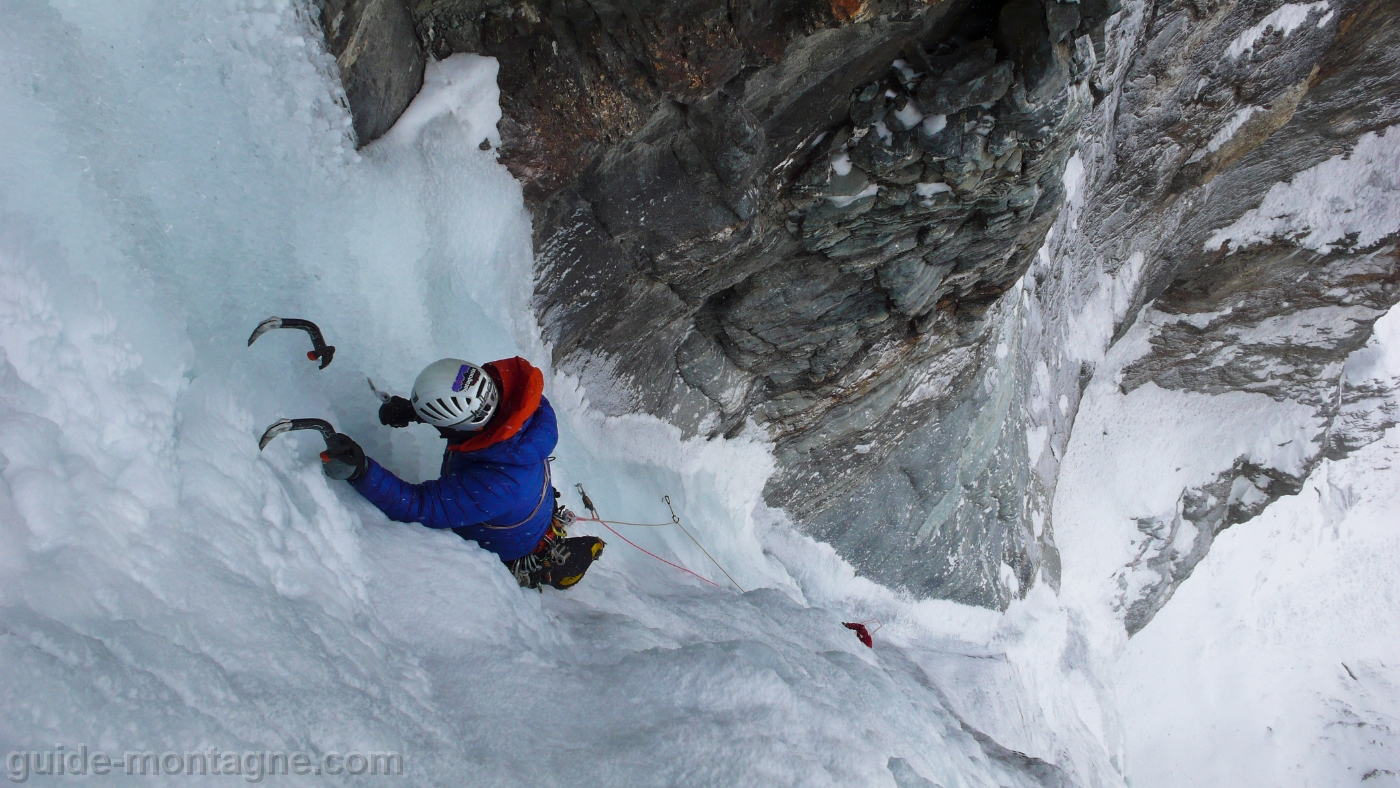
(287, 425)
(322, 352)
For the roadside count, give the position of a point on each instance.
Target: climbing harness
(559, 560)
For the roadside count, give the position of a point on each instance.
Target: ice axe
(382, 396)
(322, 351)
(287, 425)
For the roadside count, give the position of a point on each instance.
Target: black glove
(397, 412)
(344, 459)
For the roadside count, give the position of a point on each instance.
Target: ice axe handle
(321, 351)
(382, 396)
(287, 425)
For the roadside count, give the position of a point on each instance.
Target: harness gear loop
(558, 560)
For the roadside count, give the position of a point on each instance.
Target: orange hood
(521, 386)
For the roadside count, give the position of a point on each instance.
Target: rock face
(792, 214)
(379, 58)
(1205, 110)
(1223, 118)
(847, 222)
(1276, 320)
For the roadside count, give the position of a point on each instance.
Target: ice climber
(495, 487)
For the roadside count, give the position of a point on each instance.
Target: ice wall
(170, 176)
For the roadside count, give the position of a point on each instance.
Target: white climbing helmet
(455, 393)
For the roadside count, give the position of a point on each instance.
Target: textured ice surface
(463, 86)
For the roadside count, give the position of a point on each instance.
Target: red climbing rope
(675, 520)
(862, 632)
(643, 549)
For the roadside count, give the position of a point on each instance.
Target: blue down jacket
(505, 484)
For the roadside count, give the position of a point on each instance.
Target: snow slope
(1276, 662)
(169, 176)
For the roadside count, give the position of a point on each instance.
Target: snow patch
(1285, 20)
(1356, 193)
(1073, 180)
(909, 115)
(906, 72)
(1226, 131)
(844, 200)
(462, 86)
(841, 164)
(1090, 334)
(927, 190)
(1037, 438)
